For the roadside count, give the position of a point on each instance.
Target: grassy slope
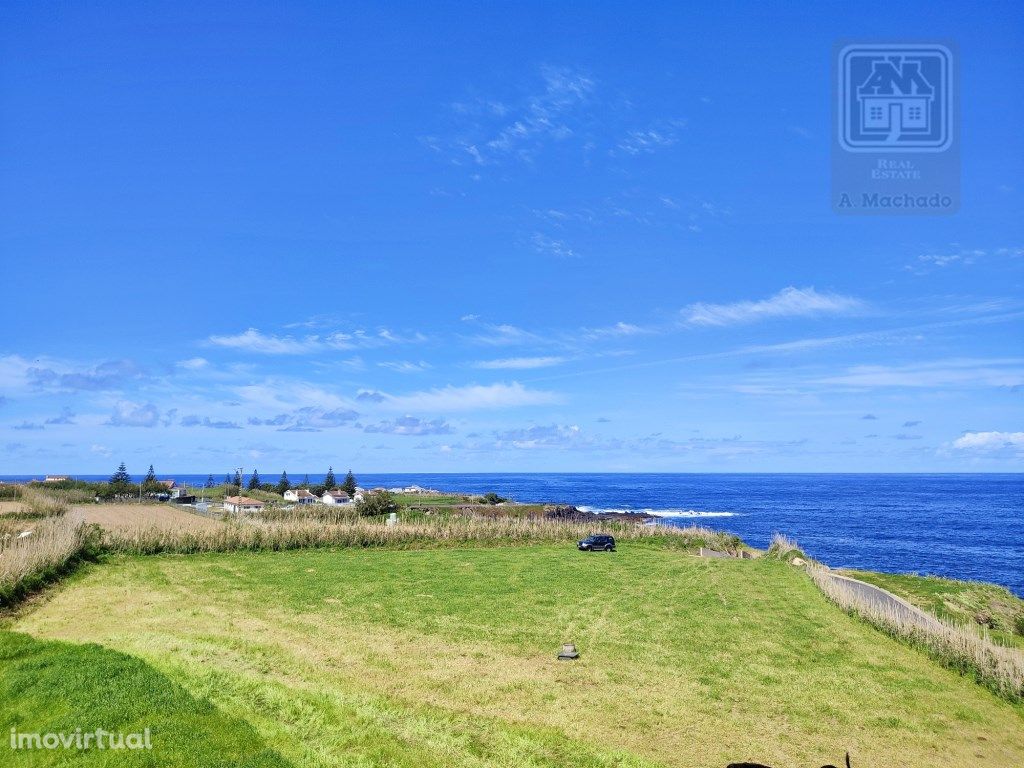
(446, 657)
(957, 601)
(48, 686)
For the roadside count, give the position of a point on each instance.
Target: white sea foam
(657, 512)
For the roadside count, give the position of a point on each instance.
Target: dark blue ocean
(968, 526)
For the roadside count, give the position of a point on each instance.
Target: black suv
(597, 543)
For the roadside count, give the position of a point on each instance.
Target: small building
(300, 496)
(55, 478)
(242, 504)
(336, 496)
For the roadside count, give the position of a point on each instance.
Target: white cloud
(619, 330)
(129, 414)
(253, 340)
(544, 244)
(410, 425)
(789, 302)
(989, 441)
(553, 436)
(194, 363)
(961, 257)
(502, 335)
(651, 139)
(404, 366)
(519, 363)
(282, 394)
(470, 398)
(967, 372)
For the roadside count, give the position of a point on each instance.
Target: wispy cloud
(109, 375)
(789, 302)
(961, 257)
(519, 363)
(550, 436)
(552, 247)
(253, 340)
(410, 425)
(494, 130)
(617, 331)
(309, 418)
(404, 366)
(961, 372)
(649, 140)
(65, 417)
(470, 398)
(504, 335)
(206, 421)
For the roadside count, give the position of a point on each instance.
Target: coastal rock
(798, 561)
(566, 512)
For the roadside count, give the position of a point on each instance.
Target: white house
(336, 497)
(300, 496)
(242, 504)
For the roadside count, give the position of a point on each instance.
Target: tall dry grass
(51, 546)
(362, 532)
(37, 504)
(961, 648)
(784, 547)
(320, 513)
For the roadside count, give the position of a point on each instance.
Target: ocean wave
(656, 512)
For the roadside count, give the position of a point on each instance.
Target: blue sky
(468, 238)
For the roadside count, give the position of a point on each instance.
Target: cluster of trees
(255, 483)
(121, 484)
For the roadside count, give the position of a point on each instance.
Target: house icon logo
(895, 98)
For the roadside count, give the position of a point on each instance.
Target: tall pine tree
(238, 479)
(149, 483)
(283, 484)
(121, 476)
(209, 481)
(349, 485)
(120, 481)
(254, 481)
(305, 482)
(329, 481)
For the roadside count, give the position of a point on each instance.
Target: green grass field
(446, 657)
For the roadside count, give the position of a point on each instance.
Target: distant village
(205, 496)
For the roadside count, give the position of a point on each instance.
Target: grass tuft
(784, 548)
